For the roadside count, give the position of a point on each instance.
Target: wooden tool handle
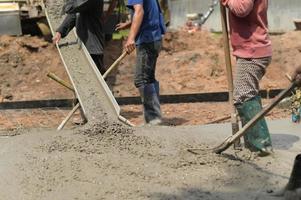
(230, 140)
(60, 81)
(263, 112)
(114, 64)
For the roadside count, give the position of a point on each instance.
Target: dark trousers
(98, 60)
(147, 54)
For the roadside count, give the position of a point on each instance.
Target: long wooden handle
(114, 64)
(64, 122)
(262, 113)
(60, 81)
(234, 120)
(227, 47)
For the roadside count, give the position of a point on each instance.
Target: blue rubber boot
(151, 104)
(157, 88)
(296, 116)
(257, 138)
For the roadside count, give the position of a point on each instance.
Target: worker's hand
(56, 38)
(130, 45)
(122, 26)
(224, 2)
(297, 75)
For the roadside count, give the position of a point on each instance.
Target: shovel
(231, 139)
(115, 64)
(234, 120)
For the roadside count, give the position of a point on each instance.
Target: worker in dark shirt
(86, 16)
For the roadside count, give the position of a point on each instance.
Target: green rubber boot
(257, 138)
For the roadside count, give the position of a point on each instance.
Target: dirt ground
(24, 63)
(194, 63)
(107, 160)
(189, 63)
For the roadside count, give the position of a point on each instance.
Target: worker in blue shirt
(146, 30)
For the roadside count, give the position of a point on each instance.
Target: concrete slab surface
(152, 163)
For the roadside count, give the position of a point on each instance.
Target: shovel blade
(223, 146)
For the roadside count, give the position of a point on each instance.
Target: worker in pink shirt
(252, 48)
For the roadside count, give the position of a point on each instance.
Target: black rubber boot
(295, 179)
(292, 191)
(151, 104)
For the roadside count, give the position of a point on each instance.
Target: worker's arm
(79, 6)
(66, 26)
(135, 26)
(123, 25)
(240, 8)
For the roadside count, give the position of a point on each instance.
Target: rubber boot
(295, 178)
(257, 138)
(292, 190)
(296, 116)
(151, 104)
(157, 88)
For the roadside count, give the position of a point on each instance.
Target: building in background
(282, 13)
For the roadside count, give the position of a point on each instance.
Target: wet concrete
(106, 160)
(151, 163)
(92, 91)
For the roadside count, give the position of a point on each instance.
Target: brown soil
(24, 64)
(194, 113)
(188, 63)
(194, 63)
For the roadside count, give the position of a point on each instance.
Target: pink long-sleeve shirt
(249, 28)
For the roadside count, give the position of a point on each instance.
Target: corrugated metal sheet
(10, 19)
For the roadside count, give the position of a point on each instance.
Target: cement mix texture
(107, 160)
(144, 163)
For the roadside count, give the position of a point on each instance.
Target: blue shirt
(152, 27)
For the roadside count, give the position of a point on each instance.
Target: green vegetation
(120, 34)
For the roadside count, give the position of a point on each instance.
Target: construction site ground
(153, 163)
(189, 63)
(108, 160)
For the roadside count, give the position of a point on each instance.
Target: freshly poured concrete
(94, 95)
(106, 160)
(151, 163)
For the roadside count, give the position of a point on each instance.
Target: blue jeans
(147, 54)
